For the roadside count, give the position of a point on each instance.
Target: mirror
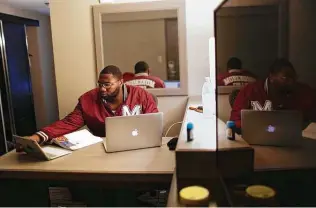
(250, 35)
(150, 37)
(145, 40)
(259, 32)
(255, 32)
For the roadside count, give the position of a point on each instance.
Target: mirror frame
(178, 5)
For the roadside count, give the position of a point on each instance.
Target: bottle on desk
(208, 98)
(190, 132)
(230, 130)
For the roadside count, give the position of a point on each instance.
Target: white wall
(200, 28)
(74, 52)
(44, 88)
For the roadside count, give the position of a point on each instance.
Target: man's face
(284, 80)
(109, 86)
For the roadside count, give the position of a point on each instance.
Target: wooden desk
(228, 154)
(267, 159)
(201, 161)
(283, 158)
(94, 164)
(200, 158)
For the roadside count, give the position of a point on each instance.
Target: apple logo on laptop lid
(135, 132)
(271, 129)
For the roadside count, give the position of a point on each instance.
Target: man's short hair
(279, 64)
(234, 63)
(114, 70)
(141, 67)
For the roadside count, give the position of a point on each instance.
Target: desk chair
(155, 98)
(232, 97)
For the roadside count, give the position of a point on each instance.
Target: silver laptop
(133, 132)
(273, 128)
(34, 149)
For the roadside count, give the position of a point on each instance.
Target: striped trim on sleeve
(43, 136)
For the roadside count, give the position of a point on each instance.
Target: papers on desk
(310, 131)
(77, 140)
(55, 151)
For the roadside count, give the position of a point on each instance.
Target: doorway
(16, 104)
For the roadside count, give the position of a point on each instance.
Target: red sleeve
(159, 84)
(128, 76)
(241, 102)
(70, 123)
(163, 84)
(149, 105)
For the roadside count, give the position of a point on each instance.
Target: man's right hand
(34, 137)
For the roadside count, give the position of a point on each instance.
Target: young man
(235, 75)
(142, 77)
(280, 91)
(110, 98)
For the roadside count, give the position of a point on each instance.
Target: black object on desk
(172, 144)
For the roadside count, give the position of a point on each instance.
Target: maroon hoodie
(236, 77)
(92, 110)
(144, 80)
(255, 96)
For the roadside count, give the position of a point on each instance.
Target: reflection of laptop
(33, 148)
(274, 128)
(172, 84)
(133, 132)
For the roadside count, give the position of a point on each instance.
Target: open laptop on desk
(133, 132)
(273, 128)
(45, 153)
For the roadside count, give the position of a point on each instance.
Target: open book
(77, 140)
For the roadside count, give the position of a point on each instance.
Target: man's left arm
(149, 104)
(163, 84)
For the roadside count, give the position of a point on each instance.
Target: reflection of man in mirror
(128, 75)
(143, 78)
(280, 91)
(235, 75)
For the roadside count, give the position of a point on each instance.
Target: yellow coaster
(193, 195)
(260, 192)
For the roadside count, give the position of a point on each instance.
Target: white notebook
(77, 140)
